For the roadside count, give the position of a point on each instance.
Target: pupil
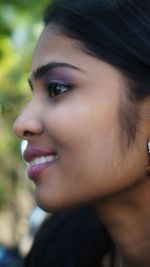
(56, 89)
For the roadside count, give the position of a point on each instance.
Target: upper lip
(31, 153)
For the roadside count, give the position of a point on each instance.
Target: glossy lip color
(35, 170)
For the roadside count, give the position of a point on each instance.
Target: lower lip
(35, 171)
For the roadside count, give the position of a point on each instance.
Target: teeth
(43, 159)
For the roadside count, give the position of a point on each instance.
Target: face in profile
(77, 151)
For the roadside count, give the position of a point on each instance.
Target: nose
(28, 123)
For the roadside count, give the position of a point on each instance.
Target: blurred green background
(20, 26)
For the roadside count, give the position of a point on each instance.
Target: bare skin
(127, 217)
(95, 166)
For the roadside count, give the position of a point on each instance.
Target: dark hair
(116, 31)
(75, 238)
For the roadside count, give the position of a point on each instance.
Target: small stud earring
(148, 146)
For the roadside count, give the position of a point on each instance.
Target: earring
(148, 146)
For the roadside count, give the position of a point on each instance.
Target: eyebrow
(42, 70)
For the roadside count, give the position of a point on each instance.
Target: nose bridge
(28, 122)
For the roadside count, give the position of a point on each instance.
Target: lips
(32, 153)
(38, 160)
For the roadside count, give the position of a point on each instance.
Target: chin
(52, 206)
(56, 205)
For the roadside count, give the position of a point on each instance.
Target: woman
(88, 123)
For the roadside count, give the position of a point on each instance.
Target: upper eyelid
(49, 81)
(58, 81)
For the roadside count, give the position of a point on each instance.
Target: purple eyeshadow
(60, 74)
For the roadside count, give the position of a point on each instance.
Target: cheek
(79, 117)
(82, 130)
(86, 140)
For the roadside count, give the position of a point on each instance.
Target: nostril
(26, 128)
(28, 133)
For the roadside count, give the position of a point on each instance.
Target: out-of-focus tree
(20, 24)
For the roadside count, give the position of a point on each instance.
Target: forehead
(55, 46)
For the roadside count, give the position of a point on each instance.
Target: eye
(55, 88)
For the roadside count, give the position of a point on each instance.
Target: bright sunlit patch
(23, 146)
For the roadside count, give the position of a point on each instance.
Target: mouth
(38, 160)
(42, 160)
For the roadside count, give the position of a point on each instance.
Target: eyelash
(57, 88)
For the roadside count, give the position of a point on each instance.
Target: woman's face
(76, 148)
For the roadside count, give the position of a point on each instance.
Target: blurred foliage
(20, 25)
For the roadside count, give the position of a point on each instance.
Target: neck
(127, 218)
